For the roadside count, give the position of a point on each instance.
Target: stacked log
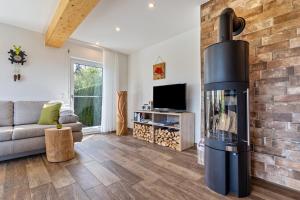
(168, 138)
(143, 132)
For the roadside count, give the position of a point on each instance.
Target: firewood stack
(168, 138)
(143, 132)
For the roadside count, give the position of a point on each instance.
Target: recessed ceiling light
(97, 43)
(118, 29)
(151, 5)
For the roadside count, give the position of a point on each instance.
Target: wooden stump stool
(59, 144)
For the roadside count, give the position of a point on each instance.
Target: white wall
(46, 74)
(182, 56)
(123, 72)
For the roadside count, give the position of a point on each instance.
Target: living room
(149, 99)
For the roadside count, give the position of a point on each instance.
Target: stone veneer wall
(273, 31)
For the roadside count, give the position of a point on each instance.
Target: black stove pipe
(230, 25)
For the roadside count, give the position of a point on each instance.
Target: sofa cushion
(36, 130)
(6, 113)
(66, 119)
(50, 114)
(6, 133)
(27, 112)
(76, 127)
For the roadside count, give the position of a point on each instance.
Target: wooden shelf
(170, 127)
(156, 132)
(164, 126)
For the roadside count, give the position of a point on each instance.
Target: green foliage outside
(88, 94)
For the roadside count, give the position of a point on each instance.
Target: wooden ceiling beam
(68, 16)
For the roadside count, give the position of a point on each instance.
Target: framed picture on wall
(159, 71)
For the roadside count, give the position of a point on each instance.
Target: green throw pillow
(50, 114)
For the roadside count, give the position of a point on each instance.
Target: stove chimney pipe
(230, 25)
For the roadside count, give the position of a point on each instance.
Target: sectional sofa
(20, 135)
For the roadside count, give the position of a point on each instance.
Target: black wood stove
(227, 140)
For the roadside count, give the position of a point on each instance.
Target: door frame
(73, 60)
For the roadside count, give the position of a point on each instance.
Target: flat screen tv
(169, 97)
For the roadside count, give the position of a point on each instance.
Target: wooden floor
(111, 167)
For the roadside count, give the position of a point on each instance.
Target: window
(87, 92)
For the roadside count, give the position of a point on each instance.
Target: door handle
(248, 118)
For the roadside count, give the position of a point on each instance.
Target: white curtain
(110, 87)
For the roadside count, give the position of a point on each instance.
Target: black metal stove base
(227, 172)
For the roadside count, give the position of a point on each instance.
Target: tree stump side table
(59, 144)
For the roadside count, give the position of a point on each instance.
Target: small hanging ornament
(17, 56)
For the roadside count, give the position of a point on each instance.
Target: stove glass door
(221, 115)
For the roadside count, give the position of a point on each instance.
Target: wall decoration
(159, 69)
(16, 57)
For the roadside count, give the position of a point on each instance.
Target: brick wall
(273, 31)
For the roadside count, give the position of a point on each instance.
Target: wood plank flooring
(110, 167)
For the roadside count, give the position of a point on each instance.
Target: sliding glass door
(86, 94)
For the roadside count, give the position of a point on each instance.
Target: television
(169, 97)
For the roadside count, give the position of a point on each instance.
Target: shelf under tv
(155, 130)
(164, 126)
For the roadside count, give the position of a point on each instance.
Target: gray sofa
(20, 135)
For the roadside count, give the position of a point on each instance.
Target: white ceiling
(29, 14)
(140, 26)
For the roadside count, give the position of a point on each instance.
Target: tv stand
(170, 129)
